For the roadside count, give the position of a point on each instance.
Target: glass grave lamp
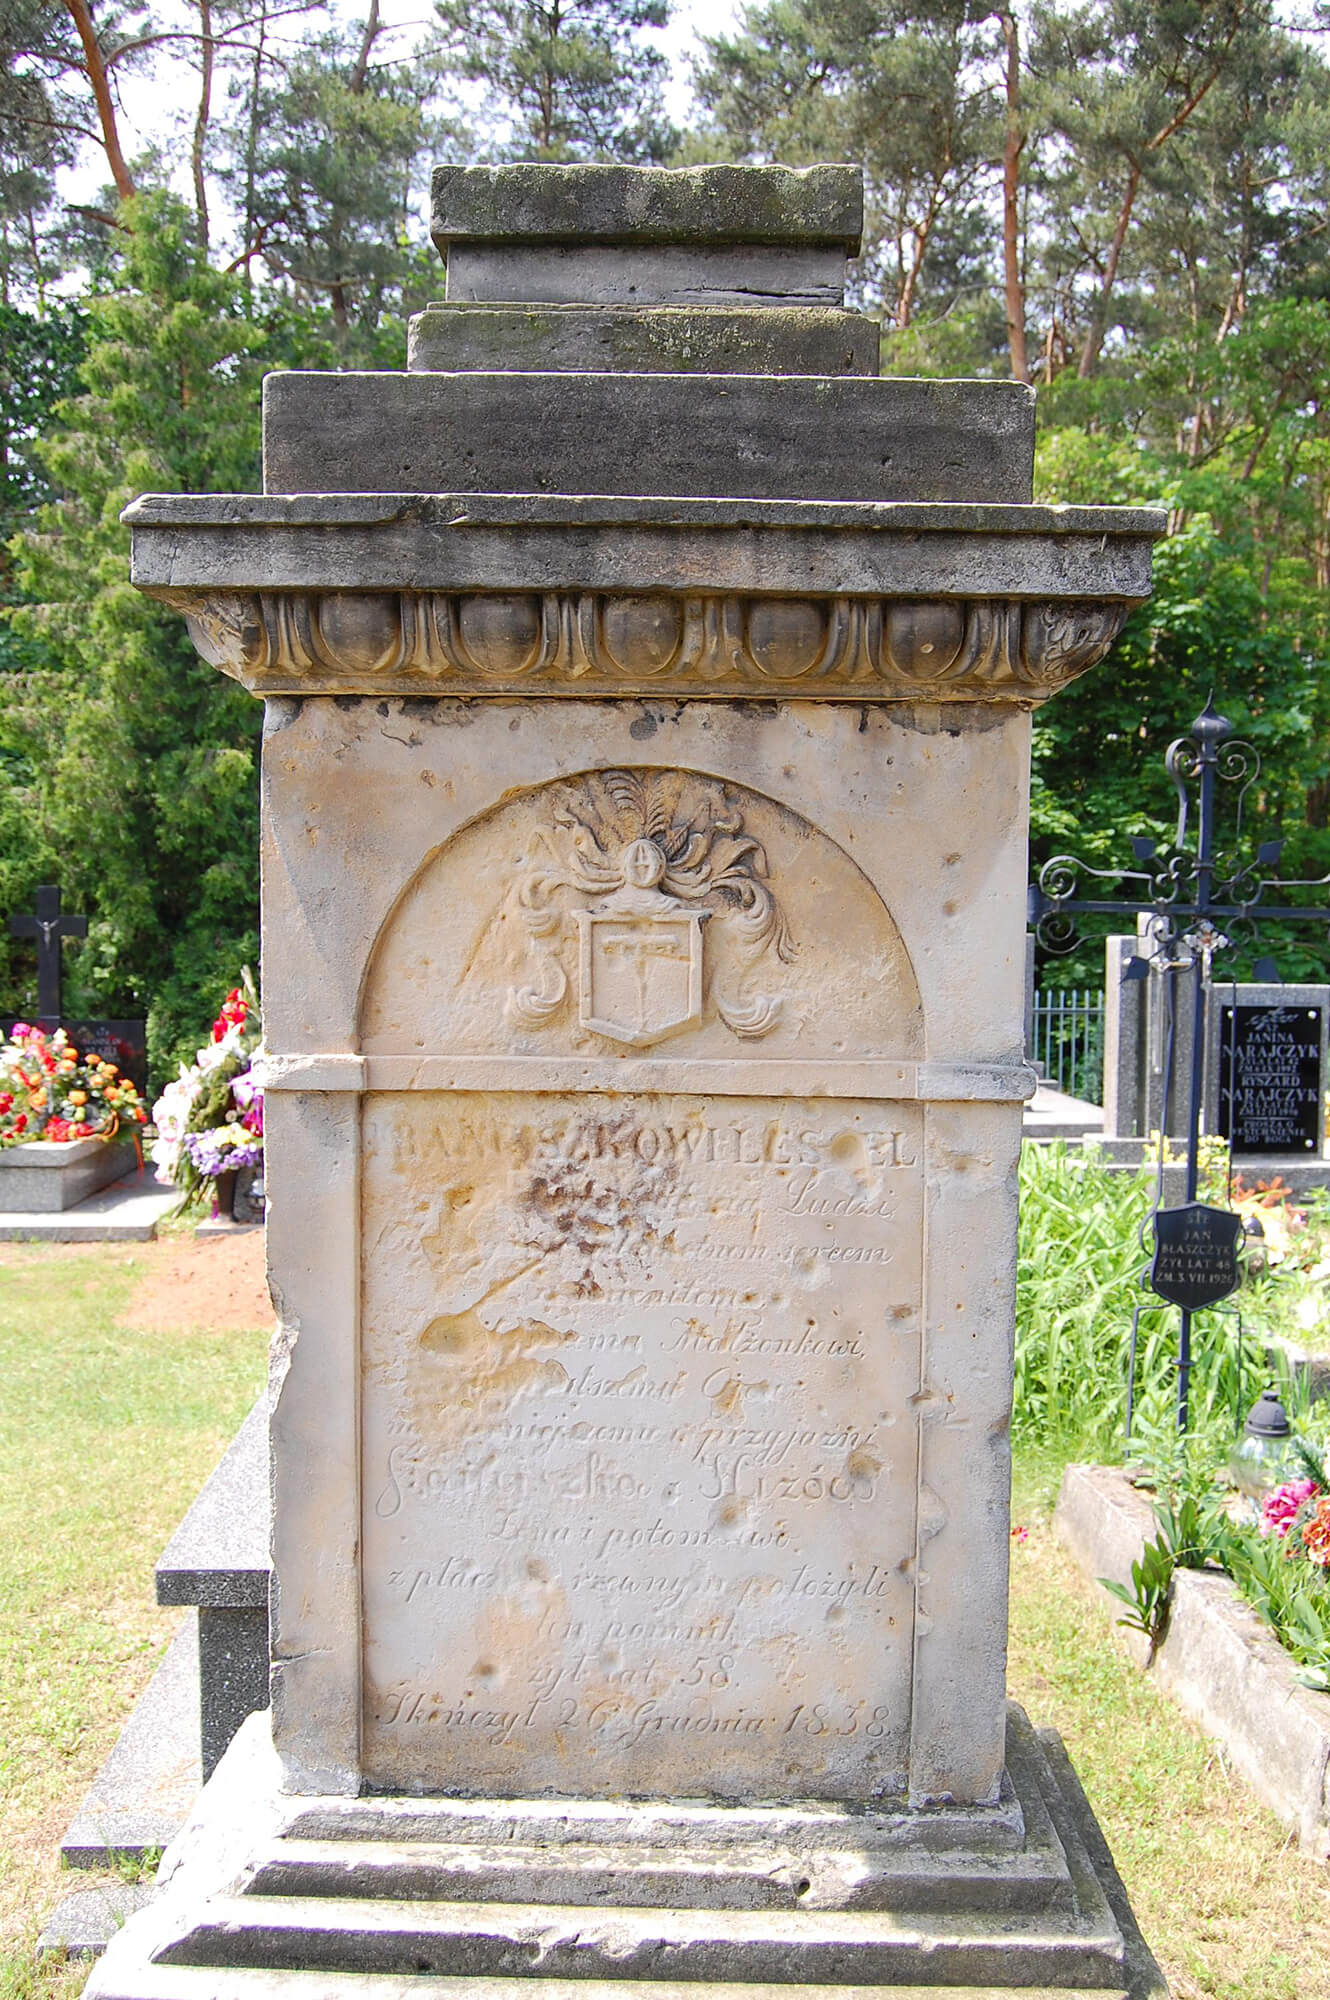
(1256, 1251)
(1264, 1456)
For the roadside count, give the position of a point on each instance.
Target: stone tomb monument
(645, 785)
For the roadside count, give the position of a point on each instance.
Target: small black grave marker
(1196, 1255)
(1270, 1079)
(49, 925)
(122, 1042)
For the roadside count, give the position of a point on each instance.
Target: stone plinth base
(585, 1898)
(51, 1175)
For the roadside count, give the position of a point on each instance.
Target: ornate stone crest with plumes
(639, 866)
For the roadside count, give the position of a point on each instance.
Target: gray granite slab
(525, 202)
(753, 436)
(127, 1212)
(218, 1556)
(771, 340)
(146, 1789)
(233, 1674)
(49, 1176)
(84, 1922)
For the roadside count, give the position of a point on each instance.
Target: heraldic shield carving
(646, 870)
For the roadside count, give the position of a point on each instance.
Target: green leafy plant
(1081, 1257)
(1191, 1534)
(1149, 1594)
(1292, 1597)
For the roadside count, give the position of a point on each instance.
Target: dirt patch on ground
(214, 1283)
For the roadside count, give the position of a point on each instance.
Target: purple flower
(222, 1150)
(247, 1094)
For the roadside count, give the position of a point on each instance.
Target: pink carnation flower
(1281, 1509)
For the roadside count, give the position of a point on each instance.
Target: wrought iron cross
(1199, 898)
(49, 926)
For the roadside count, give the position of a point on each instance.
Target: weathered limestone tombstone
(645, 788)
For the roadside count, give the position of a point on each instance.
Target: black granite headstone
(1196, 1255)
(1270, 1079)
(121, 1042)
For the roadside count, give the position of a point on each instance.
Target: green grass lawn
(106, 1434)
(1230, 1907)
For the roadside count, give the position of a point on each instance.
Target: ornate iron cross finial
(49, 925)
(1202, 900)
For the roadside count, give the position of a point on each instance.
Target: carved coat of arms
(642, 873)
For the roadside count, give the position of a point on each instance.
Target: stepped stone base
(145, 1791)
(582, 1900)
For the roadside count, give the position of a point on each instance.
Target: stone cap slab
(520, 541)
(453, 594)
(690, 206)
(642, 340)
(763, 437)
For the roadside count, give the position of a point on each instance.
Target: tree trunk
(1098, 327)
(81, 16)
(1094, 339)
(923, 231)
(1013, 146)
(355, 83)
(207, 47)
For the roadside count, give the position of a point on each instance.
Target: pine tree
(562, 79)
(139, 774)
(924, 95)
(325, 170)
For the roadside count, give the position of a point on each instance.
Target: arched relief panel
(641, 910)
(641, 1323)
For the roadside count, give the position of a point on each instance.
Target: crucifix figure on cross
(49, 925)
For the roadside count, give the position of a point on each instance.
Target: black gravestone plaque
(122, 1042)
(1196, 1255)
(1270, 1079)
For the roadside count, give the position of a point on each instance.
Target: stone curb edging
(1218, 1660)
(1314, 1368)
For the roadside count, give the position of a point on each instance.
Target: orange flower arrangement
(49, 1091)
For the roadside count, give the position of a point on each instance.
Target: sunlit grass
(106, 1435)
(1230, 1907)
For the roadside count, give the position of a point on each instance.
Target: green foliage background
(1125, 204)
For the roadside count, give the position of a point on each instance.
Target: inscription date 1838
(638, 1381)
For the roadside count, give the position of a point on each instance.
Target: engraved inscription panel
(639, 1448)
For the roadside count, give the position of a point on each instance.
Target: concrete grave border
(48, 1176)
(1218, 1659)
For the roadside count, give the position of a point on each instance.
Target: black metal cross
(1198, 899)
(49, 926)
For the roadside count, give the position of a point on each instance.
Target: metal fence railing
(1067, 1034)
